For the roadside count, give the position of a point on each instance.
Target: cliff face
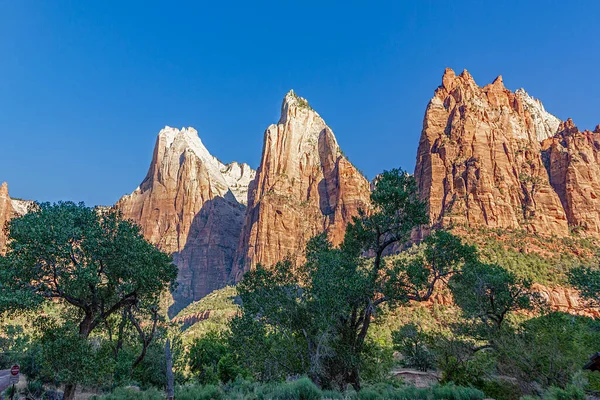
(9, 208)
(480, 159)
(191, 205)
(573, 161)
(6, 212)
(304, 186)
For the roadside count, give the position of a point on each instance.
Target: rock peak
(4, 187)
(448, 78)
(498, 82)
(294, 106)
(467, 76)
(597, 129)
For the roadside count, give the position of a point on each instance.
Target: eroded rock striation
(6, 212)
(192, 205)
(573, 162)
(9, 208)
(489, 157)
(304, 186)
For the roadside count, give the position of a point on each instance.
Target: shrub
(197, 392)
(570, 393)
(302, 389)
(133, 394)
(410, 341)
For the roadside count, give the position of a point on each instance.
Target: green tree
(489, 293)
(412, 343)
(587, 280)
(322, 310)
(204, 356)
(91, 261)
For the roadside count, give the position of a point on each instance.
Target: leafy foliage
(96, 266)
(412, 343)
(314, 318)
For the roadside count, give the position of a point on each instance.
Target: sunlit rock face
(192, 205)
(9, 209)
(573, 161)
(6, 212)
(480, 161)
(304, 186)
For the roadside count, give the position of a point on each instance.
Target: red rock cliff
(6, 212)
(191, 205)
(573, 161)
(304, 186)
(479, 160)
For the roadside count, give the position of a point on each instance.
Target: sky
(85, 86)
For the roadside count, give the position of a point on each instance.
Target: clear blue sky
(86, 85)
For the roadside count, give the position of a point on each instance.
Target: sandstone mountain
(192, 205)
(304, 186)
(6, 212)
(9, 208)
(573, 161)
(489, 157)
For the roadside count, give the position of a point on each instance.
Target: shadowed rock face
(480, 161)
(304, 186)
(573, 161)
(191, 205)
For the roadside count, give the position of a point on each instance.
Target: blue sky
(86, 85)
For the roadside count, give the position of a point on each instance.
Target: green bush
(501, 390)
(332, 395)
(302, 389)
(198, 392)
(451, 392)
(570, 393)
(133, 394)
(411, 342)
(445, 392)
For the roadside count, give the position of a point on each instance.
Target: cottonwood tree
(323, 309)
(489, 293)
(91, 261)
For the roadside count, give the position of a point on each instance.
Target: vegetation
(83, 299)
(314, 318)
(97, 269)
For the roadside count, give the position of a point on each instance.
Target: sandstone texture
(191, 205)
(489, 157)
(9, 208)
(573, 161)
(6, 212)
(304, 186)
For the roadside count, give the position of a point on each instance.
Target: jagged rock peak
(498, 82)
(479, 160)
(294, 106)
(304, 186)
(189, 137)
(546, 125)
(185, 142)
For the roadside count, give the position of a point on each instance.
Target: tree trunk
(170, 378)
(85, 328)
(354, 379)
(69, 391)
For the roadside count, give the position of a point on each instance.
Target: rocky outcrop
(6, 212)
(573, 162)
(304, 186)
(9, 208)
(479, 161)
(192, 205)
(556, 298)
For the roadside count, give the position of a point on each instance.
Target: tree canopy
(89, 260)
